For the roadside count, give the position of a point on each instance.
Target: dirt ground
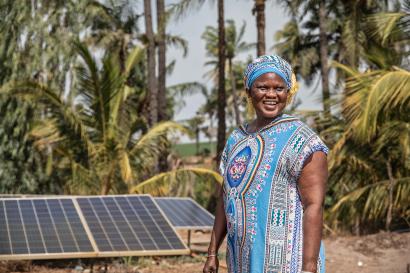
(378, 253)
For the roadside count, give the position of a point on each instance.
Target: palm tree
(179, 10)
(152, 83)
(110, 31)
(259, 9)
(234, 46)
(221, 136)
(300, 49)
(324, 55)
(96, 138)
(333, 30)
(315, 45)
(161, 37)
(376, 139)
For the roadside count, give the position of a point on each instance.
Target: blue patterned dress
(262, 203)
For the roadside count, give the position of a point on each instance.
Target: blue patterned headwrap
(265, 64)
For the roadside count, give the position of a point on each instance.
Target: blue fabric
(266, 64)
(262, 204)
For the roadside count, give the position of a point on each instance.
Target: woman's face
(268, 94)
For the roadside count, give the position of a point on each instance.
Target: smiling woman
(274, 171)
(268, 96)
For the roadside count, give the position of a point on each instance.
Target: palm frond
(177, 42)
(388, 93)
(125, 166)
(373, 199)
(155, 140)
(387, 24)
(133, 58)
(183, 7)
(163, 183)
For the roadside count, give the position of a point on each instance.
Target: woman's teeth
(270, 102)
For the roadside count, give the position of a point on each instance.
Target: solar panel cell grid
(56, 227)
(5, 247)
(125, 223)
(185, 213)
(41, 226)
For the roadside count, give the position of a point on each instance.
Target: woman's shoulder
(301, 124)
(236, 135)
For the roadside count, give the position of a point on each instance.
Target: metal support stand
(189, 239)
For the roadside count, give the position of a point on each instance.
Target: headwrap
(271, 63)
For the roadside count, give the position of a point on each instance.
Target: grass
(190, 149)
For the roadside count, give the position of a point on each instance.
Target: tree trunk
(106, 187)
(260, 26)
(197, 140)
(392, 183)
(221, 81)
(324, 53)
(162, 73)
(152, 86)
(234, 96)
(162, 98)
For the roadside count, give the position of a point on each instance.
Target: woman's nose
(271, 92)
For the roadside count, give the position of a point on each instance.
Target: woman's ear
(248, 92)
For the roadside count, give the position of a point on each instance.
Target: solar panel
(41, 228)
(130, 225)
(185, 213)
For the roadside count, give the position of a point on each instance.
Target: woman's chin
(270, 114)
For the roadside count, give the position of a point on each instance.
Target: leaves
(168, 183)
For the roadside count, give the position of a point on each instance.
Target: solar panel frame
(96, 253)
(44, 255)
(187, 226)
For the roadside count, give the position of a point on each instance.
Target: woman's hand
(217, 236)
(211, 265)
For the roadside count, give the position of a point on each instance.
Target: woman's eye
(280, 89)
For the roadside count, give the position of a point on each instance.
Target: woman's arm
(312, 187)
(218, 235)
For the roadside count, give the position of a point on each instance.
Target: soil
(378, 253)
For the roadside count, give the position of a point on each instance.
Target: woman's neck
(260, 122)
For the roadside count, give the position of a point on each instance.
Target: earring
(293, 90)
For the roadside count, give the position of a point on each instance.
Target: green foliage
(22, 167)
(196, 182)
(370, 158)
(96, 139)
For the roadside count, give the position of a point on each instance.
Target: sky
(192, 68)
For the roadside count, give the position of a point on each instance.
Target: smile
(270, 102)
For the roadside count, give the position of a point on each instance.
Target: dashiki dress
(262, 203)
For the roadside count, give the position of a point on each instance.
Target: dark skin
(269, 94)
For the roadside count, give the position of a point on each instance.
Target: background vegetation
(86, 109)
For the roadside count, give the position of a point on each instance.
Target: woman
(275, 172)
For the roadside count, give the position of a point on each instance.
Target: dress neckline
(279, 119)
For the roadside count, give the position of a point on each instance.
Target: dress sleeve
(312, 145)
(224, 159)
